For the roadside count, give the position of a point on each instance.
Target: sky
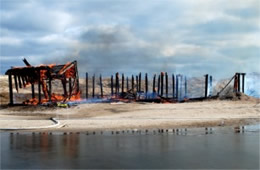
(191, 37)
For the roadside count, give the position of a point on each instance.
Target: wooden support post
(133, 83)
(64, 84)
(158, 82)
(162, 75)
(140, 82)
(181, 78)
(123, 83)
(117, 83)
(206, 85)
(166, 84)
(86, 85)
(238, 80)
(101, 85)
(185, 87)
(243, 82)
(146, 83)
(70, 87)
(39, 87)
(137, 82)
(177, 87)
(173, 86)
(50, 88)
(127, 84)
(210, 85)
(33, 93)
(15, 82)
(20, 81)
(154, 77)
(10, 89)
(93, 86)
(112, 85)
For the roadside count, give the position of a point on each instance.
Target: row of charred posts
(124, 87)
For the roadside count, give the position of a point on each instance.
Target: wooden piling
(140, 82)
(33, 93)
(50, 88)
(162, 77)
(166, 84)
(238, 80)
(133, 83)
(86, 85)
(173, 88)
(112, 85)
(146, 83)
(243, 82)
(206, 85)
(177, 87)
(101, 85)
(123, 83)
(93, 86)
(10, 89)
(15, 82)
(70, 87)
(154, 77)
(127, 84)
(39, 87)
(20, 81)
(158, 83)
(185, 87)
(137, 84)
(117, 83)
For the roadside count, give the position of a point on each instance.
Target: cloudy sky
(193, 37)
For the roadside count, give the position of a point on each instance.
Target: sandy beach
(106, 116)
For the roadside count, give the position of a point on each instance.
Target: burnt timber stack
(43, 75)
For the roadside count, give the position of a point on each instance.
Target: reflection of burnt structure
(43, 76)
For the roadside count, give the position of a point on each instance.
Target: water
(196, 150)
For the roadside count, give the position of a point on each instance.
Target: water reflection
(43, 150)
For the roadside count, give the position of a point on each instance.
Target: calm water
(217, 150)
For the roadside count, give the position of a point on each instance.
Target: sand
(134, 115)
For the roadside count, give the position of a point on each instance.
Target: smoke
(252, 85)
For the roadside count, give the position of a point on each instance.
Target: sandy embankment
(135, 115)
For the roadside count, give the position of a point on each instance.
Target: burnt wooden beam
(127, 84)
(238, 80)
(93, 86)
(86, 85)
(162, 76)
(19, 81)
(50, 88)
(133, 83)
(26, 62)
(177, 87)
(123, 83)
(140, 82)
(173, 86)
(39, 87)
(236, 83)
(101, 85)
(210, 85)
(206, 85)
(23, 80)
(154, 79)
(146, 83)
(185, 87)
(243, 82)
(112, 85)
(11, 100)
(166, 84)
(15, 82)
(137, 82)
(158, 83)
(70, 87)
(33, 92)
(117, 83)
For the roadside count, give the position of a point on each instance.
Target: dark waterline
(226, 150)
